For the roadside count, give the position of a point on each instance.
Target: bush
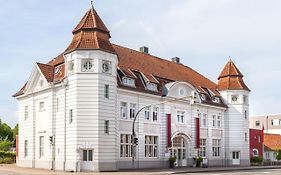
(278, 156)
(258, 159)
(7, 157)
(172, 161)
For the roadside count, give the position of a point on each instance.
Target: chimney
(144, 49)
(176, 60)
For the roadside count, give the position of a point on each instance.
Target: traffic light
(136, 141)
(52, 139)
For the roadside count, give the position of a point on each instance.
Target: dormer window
(151, 86)
(203, 97)
(216, 100)
(128, 81)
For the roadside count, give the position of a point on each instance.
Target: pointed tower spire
(91, 34)
(231, 78)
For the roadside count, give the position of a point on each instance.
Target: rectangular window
(180, 116)
(25, 148)
(214, 121)
(41, 146)
(106, 126)
(87, 155)
(57, 105)
(41, 106)
(202, 150)
(203, 120)
(257, 123)
(106, 91)
(218, 121)
(123, 110)
(216, 147)
(126, 145)
(133, 108)
(246, 137)
(25, 112)
(155, 113)
(147, 113)
(151, 146)
(70, 115)
(246, 114)
(259, 139)
(128, 81)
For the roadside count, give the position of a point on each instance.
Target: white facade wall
(83, 94)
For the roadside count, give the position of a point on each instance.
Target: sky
(202, 33)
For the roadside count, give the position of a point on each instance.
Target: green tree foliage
(278, 156)
(5, 144)
(7, 136)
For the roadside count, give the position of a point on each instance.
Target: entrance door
(179, 151)
(235, 158)
(87, 160)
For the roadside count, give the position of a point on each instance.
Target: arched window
(255, 153)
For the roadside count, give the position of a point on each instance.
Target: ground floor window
(126, 145)
(25, 148)
(202, 150)
(151, 146)
(41, 146)
(216, 147)
(88, 155)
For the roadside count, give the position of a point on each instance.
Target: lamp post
(134, 138)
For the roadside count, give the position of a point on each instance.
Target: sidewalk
(29, 171)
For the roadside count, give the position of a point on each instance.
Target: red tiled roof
(231, 78)
(272, 141)
(47, 71)
(91, 33)
(152, 66)
(56, 61)
(91, 21)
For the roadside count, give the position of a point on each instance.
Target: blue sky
(202, 33)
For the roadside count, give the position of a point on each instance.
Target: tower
(235, 94)
(91, 65)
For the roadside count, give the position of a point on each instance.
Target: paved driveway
(242, 172)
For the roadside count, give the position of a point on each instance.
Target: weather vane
(92, 3)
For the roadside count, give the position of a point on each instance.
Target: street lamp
(134, 138)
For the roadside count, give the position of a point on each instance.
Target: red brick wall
(256, 141)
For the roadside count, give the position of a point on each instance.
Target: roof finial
(230, 58)
(92, 3)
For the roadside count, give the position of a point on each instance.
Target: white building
(85, 100)
(270, 123)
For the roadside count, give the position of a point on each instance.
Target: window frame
(151, 146)
(25, 148)
(155, 113)
(123, 110)
(126, 144)
(70, 116)
(147, 112)
(26, 110)
(216, 147)
(106, 126)
(203, 148)
(133, 110)
(88, 152)
(41, 146)
(180, 117)
(106, 91)
(41, 106)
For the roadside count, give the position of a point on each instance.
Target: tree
(278, 156)
(5, 144)
(15, 133)
(6, 131)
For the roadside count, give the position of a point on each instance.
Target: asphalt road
(243, 172)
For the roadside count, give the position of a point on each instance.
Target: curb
(227, 169)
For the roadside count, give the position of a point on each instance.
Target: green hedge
(258, 159)
(7, 157)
